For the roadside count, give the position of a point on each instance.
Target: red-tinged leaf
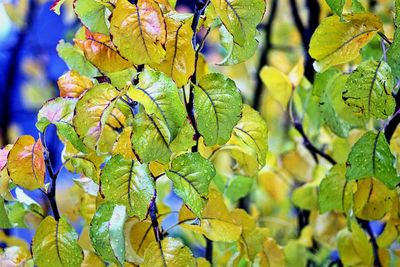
(72, 84)
(56, 6)
(101, 52)
(3, 156)
(25, 163)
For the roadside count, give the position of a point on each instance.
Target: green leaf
(393, 54)
(127, 183)
(150, 139)
(305, 197)
(336, 42)
(16, 214)
(371, 157)
(191, 175)
(235, 53)
(184, 140)
(334, 193)
(357, 7)
(4, 221)
(59, 111)
(120, 78)
(336, 6)
(354, 247)
(92, 14)
(92, 112)
(75, 59)
(295, 254)
(159, 96)
(56, 244)
(217, 106)
(171, 252)
(368, 90)
(107, 232)
(238, 187)
(334, 111)
(138, 31)
(251, 133)
(240, 17)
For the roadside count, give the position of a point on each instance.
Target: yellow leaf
(335, 42)
(179, 61)
(389, 234)
(139, 235)
(354, 247)
(217, 223)
(273, 255)
(138, 31)
(202, 262)
(373, 199)
(23, 251)
(26, 163)
(326, 226)
(72, 84)
(100, 51)
(171, 252)
(123, 145)
(297, 73)
(277, 83)
(91, 259)
(275, 184)
(252, 237)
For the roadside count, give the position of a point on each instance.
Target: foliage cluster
(144, 116)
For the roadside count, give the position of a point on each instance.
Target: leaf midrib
(345, 43)
(214, 109)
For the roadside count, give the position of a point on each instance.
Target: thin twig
(51, 194)
(156, 229)
(309, 145)
(264, 55)
(199, 9)
(384, 37)
(367, 228)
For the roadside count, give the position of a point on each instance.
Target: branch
(310, 147)
(306, 33)
(391, 126)
(199, 9)
(264, 55)
(385, 38)
(367, 228)
(154, 222)
(209, 250)
(51, 194)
